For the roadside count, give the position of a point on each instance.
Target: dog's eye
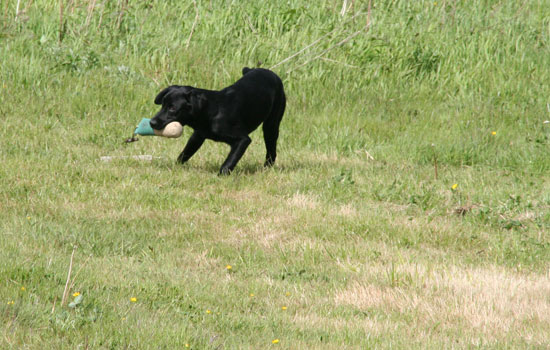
(171, 109)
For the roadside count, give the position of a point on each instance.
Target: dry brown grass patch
(303, 201)
(489, 303)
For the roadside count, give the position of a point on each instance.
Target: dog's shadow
(243, 168)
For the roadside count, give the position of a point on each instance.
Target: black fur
(228, 115)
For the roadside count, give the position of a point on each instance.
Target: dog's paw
(182, 159)
(269, 161)
(224, 172)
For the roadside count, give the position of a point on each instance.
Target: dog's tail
(246, 70)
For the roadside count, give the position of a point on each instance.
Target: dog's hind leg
(271, 132)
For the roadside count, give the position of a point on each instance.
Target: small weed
(422, 61)
(345, 177)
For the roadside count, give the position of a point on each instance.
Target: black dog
(228, 115)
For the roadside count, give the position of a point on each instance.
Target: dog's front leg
(238, 147)
(193, 144)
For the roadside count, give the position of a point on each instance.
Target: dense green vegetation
(409, 206)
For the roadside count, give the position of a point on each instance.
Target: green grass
(351, 231)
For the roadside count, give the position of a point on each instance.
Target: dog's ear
(246, 70)
(160, 96)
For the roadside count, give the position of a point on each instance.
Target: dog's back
(260, 96)
(260, 78)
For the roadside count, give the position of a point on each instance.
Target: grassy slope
(362, 252)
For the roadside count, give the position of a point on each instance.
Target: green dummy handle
(144, 128)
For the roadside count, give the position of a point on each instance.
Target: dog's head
(179, 103)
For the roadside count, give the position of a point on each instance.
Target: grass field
(409, 207)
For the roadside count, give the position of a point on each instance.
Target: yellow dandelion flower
(208, 311)
(251, 294)
(10, 302)
(229, 267)
(283, 308)
(494, 133)
(275, 341)
(454, 187)
(287, 294)
(186, 345)
(76, 294)
(28, 217)
(23, 289)
(133, 299)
